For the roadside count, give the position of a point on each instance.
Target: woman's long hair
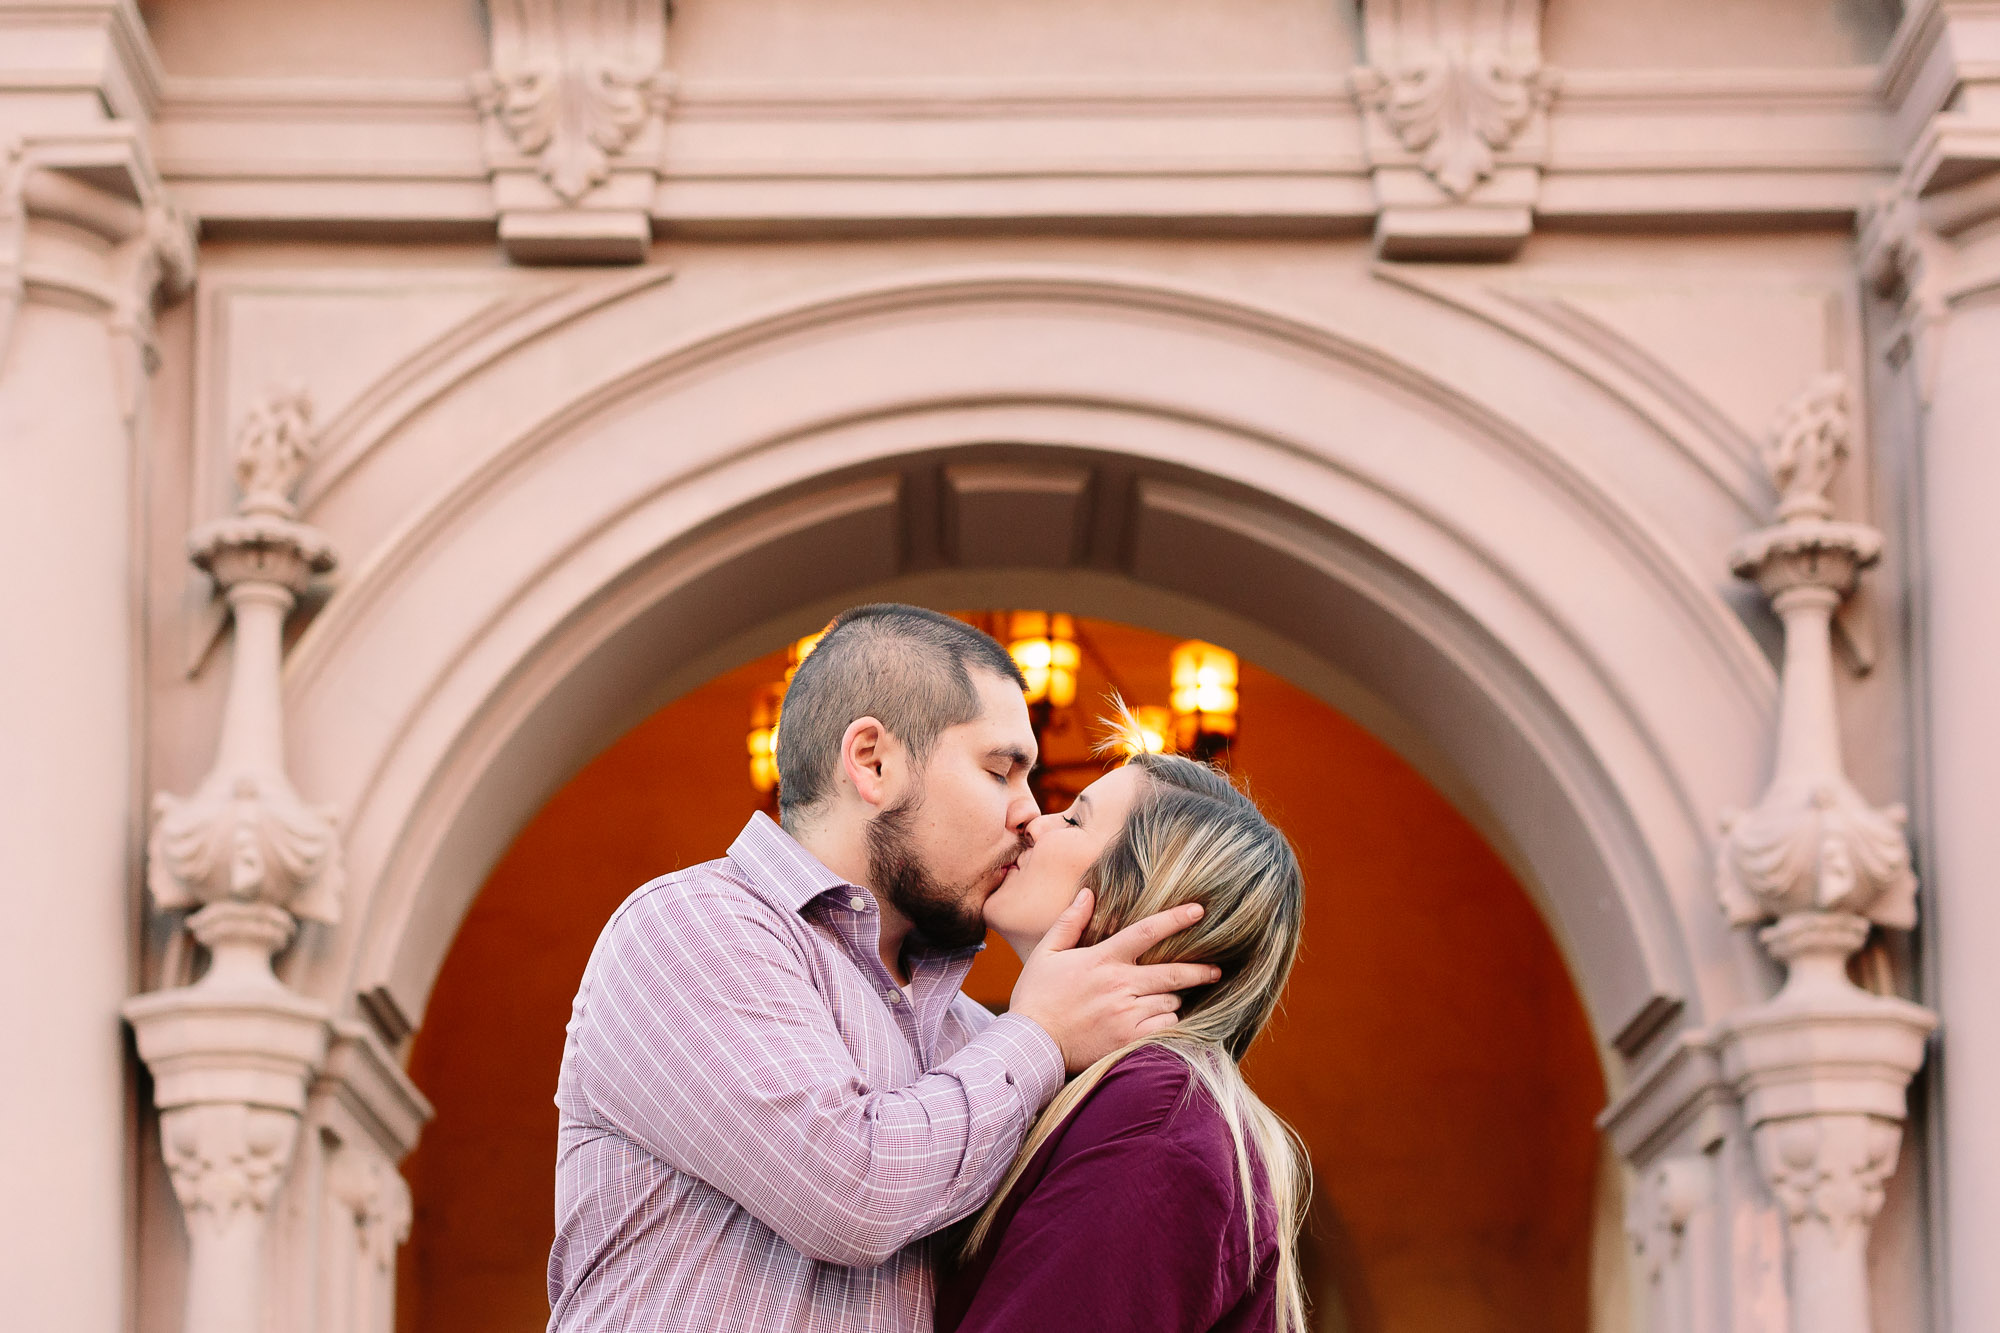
(1192, 837)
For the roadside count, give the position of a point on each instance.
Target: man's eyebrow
(1015, 756)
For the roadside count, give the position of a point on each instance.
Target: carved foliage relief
(573, 82)
(1455, 80)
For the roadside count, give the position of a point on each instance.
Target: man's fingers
(1158, 1023)
(1152, 1005)
(1154, 978)
(1068, 928)
(1140, 936)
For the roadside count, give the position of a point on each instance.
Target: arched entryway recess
(1462, 561)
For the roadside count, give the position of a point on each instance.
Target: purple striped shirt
(758, 1126)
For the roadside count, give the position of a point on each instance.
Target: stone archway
(1441, 557)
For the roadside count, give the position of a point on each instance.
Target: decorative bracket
(574, 105)
(1455, 100)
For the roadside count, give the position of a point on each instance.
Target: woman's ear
(868, 754)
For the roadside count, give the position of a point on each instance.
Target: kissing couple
(778, 1112)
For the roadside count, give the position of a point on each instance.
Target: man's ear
(869, 758)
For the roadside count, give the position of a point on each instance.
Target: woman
(1156, 1192)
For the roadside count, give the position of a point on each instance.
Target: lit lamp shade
(1155, 732)
(1044, 647)
(1204, 696)
(799, 652)
(765, 706)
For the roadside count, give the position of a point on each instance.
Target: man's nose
(1025, 814)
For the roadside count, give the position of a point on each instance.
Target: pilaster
(89, 244)
(1930, 252)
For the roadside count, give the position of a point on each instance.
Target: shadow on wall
(1432, 1050)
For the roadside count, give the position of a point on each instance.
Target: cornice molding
(1281, 153)
(96, 48)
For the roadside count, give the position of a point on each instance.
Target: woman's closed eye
(1072, 821)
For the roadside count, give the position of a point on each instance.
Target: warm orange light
(1154, 734)
(765, 707)
(798, 652)
(1044, 647)
(1204, 692)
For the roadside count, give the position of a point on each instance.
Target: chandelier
(1199, 719)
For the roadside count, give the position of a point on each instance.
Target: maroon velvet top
(1129, 1217)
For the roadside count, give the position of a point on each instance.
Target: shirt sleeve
(703, 1039)
(1125, 1230)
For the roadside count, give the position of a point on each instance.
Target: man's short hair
(906, 667)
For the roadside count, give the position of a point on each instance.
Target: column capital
(98, 181)
(1924, 246)
(71, 63)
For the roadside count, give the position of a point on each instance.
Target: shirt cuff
(1033, 1061)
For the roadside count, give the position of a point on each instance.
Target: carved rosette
(573, 105)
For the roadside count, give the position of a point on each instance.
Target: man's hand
(1093, 1001)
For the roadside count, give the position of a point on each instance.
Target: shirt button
(857, 902)
(894, 996)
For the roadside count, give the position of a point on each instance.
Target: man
(772, 1089)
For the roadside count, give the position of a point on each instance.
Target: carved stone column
(89, 243)
(1455, 98)
(234, 1053)
(1823, 1067)
(574, 104)
(1930, 249)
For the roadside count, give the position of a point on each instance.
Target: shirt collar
(779, 867)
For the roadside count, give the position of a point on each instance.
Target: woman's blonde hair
(1193, 837)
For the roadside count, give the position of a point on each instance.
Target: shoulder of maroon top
(1143, 1094)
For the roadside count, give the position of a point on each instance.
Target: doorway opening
(1433, 1050)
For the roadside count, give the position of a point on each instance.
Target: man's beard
(937, 911)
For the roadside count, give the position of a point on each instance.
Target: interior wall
(1432, 1050)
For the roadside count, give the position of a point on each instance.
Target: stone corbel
(234, 1054)
(574, 107)
(98, 183)
(1823, 1067)
(1455, 101)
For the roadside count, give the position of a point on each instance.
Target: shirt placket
(861, 929)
